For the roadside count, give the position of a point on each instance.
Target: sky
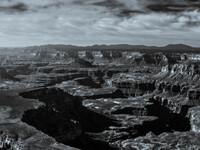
(89, 22)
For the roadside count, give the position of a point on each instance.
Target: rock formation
(64, 118)
(98, 98)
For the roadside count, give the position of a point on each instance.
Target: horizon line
(98, 45)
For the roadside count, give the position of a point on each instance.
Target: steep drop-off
(64, 118)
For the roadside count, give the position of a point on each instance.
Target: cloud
(120, 8)
(19, 7)
(172, 6)
(110, 4)
(86, 22)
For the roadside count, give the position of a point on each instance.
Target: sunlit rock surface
(174, 141)
(194, 114)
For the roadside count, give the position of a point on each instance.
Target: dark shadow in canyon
(167, 121)
(88, 81)
(64, 118)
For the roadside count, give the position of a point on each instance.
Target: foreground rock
(19, 135)
(64, 118)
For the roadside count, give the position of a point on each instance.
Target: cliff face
(175, 86)
(7, 142)
(48, 118)
(53, 123)
(175, 94)
(180, 73)
(155, 58)
(64, 118)
(180, 81)
(135, 88)
(54, 97)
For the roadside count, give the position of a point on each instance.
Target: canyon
(101, 97)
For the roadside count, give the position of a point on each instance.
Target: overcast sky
(88, 22)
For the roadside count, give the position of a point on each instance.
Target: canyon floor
(62, 99)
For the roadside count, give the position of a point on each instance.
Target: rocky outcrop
(178, 86)
(7, 142)
(180, 73)
(193, 57)
(194, 115)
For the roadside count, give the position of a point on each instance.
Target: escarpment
(174, 92)
(175, 86)
(64, 118)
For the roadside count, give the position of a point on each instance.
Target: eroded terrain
(55, 98)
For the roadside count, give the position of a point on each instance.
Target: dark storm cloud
(19, 7)
(185, 12)
(109, 3)
(171, 5)
(127, 8)
(167, 8)
(128, 12)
